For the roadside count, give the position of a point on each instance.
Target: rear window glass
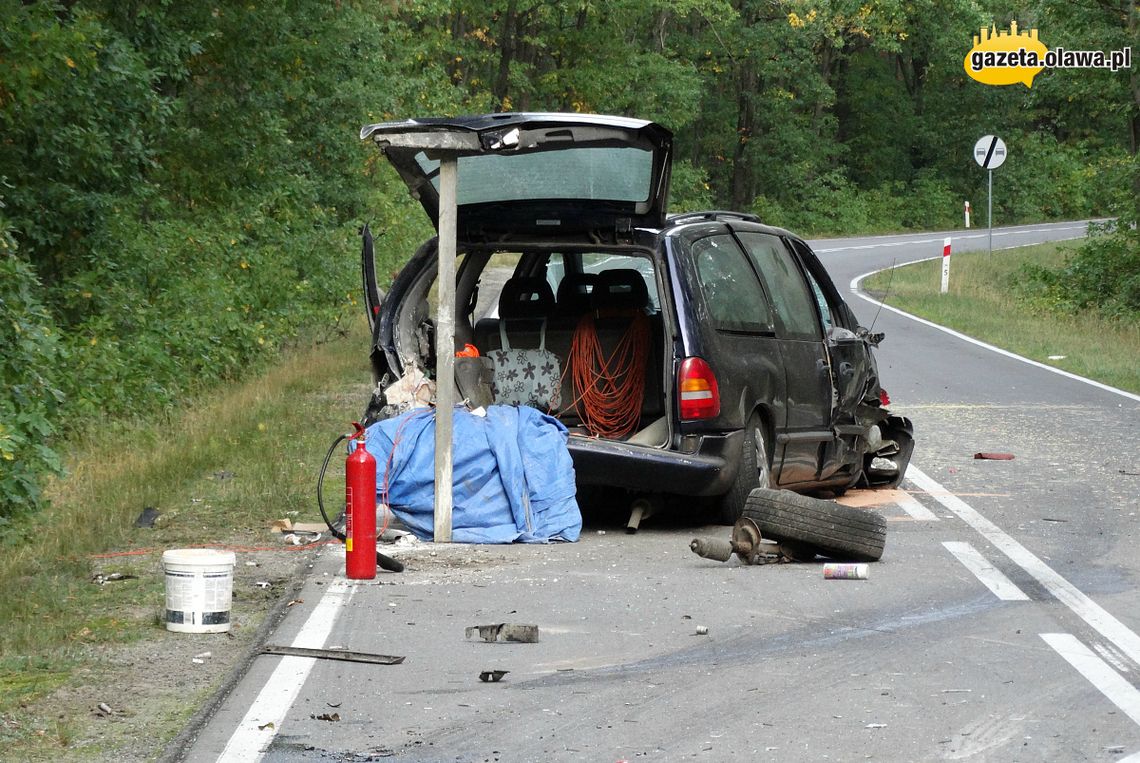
(605, 174)
(596, 263)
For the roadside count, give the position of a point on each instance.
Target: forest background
(181, 184)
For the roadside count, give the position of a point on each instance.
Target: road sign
(989, 152)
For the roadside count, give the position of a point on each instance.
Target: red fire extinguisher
(360, 511)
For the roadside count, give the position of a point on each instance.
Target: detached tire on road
(838, 531)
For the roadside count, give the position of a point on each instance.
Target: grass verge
(219, 473)
(982, 303)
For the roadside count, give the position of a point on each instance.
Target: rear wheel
(838, 531)
(752, 471)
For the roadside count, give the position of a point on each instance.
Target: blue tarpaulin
(513, 478)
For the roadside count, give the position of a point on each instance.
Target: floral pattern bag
(526, 377)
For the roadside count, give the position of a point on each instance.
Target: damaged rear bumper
(707, 471)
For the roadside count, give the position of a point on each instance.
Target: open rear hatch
(558, 176)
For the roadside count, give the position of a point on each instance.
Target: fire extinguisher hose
(383, 561)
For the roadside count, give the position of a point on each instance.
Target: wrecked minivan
(700, 354)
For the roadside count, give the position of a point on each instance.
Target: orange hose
(608, 391)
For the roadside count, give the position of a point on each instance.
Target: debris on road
(746, 543)
(492, 675)
(841, 571)
(326, 717)
(102, 579)
(750, 547)
(702, 630)
(104, 710)
(875, 726)
(333, 654)
(147, 518)
(526, 634)
(993, 456)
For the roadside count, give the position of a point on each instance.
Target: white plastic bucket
(199, 589)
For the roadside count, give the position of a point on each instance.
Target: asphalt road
(1001, 624)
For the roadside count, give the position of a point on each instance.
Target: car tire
(837, 531)
(753, 470)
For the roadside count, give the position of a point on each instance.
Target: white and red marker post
(967, 214)
(945, 265)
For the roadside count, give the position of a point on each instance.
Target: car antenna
(886, 295)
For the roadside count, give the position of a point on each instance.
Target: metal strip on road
(1110, 683)
(1064, 591)
(265, 716)
(990, 576)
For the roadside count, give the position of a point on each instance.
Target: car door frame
(804, 442)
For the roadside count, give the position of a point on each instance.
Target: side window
(733, 295)
(793, 301)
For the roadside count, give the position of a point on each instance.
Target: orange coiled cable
(608, 391)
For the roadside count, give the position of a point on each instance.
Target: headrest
(574, 292)
(620, 289)
(526, 297)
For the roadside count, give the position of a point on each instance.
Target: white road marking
(1133, 758)
(990, 576)
(1064, 591)
(911, 506)
(264, 718)
(976, 342)
(953, 234)
(1110, 683)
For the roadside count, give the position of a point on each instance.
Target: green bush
(1103, 275)
(30, 396)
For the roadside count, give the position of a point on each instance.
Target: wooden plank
(445, 349)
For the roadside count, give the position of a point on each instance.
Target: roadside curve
(856, 289)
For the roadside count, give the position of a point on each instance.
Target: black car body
(755, 371)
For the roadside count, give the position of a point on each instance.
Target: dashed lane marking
(990, 576)
(883, 497)
(1110, 683)
(1065, 592)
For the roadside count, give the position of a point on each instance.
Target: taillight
(700, 397)
(884, 398)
